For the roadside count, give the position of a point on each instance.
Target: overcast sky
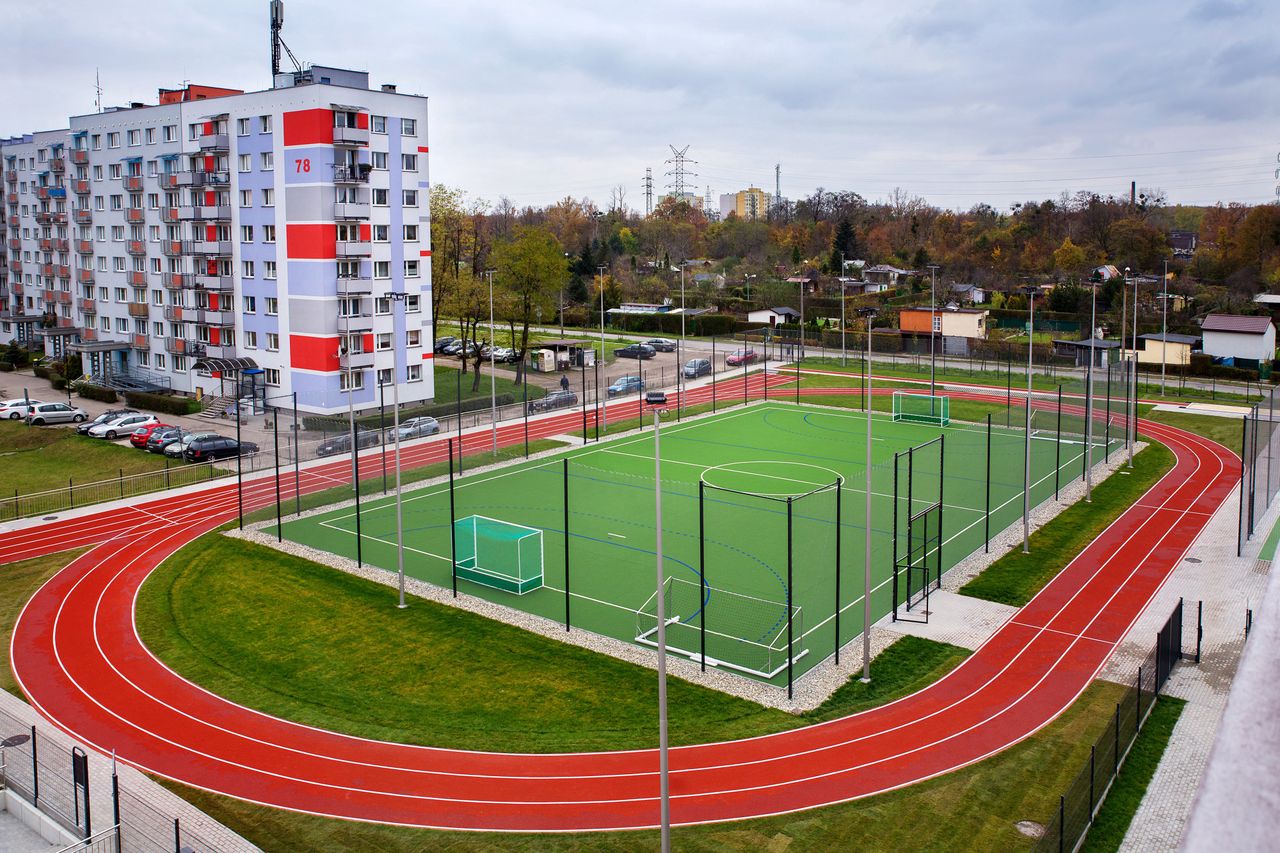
(960, 101)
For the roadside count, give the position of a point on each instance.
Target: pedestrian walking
(564, 382)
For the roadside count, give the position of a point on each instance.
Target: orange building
(948, 322)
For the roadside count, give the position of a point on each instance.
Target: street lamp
(657, 401)
(868, 313)
(493, 372)
(933, 313)
(1030, 291)
(395, 426)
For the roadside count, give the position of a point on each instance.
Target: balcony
(46, 270)
(178, 313)
(214, 317)
(137, 278)
(80, 158)
(351, 136)
(214, 142)
(84, 247)
(181, 346)
(213, 281)
(62, 271)
(48, 296)
(178, 280)
(87, 306)
(356, 323)
(132, 183)
(44, 217)
(170, 214)
(42, 193)
(356, 360)
(135, 215)
(358, 285)
(57, 165)
(15, 243)
(46, 245)
(139, 309)
(65, 297)
(136, 247)
(214, 213)
(172, 180)
(84, 276)
(176, 248)
(60, 244)
(344, 174)
(11, 177)
(141, 342)
(66, 323)
(213, 248)
(84, 216)
(15, 267)
(354, 248)
(14, 221)
(80, 187)
(88, 334)
(351, 210)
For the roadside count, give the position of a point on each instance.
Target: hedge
(162, 403)
(337, 423)
(58, 382)
(96, 392)
(41, 371)
(6, 367)
(699, 325)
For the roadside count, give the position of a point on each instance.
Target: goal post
(914, 407)
(498, 554)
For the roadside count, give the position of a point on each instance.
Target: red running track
(79, 660)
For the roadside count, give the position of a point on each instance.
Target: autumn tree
(531, 270)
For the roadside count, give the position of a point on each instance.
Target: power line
(681, 171)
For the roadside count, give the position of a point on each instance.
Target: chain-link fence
(1259, 466)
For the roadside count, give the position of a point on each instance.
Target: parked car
(56, 413)
(342, 443)
(635, 351)
(162, 438)
(175, 449)
(442, 343)
(139, 437)
(626, 385)
(418, 428)
(17, 408)
(741, 357)
(553, 400)
(123, 425)
(662, 344)
(217, 447)
(695, 367)
(84, 428)
(505, 355)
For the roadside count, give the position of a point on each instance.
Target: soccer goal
(921, 408)
(749, 634)
(498, 554)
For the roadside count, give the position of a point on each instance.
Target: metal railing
(125, 486)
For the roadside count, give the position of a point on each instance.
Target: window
(349, 306)
(268, 233)
(113, 140)
(246, 198)
(246, 233)
(122, 325)
(264, 124)
(251, 340)
(151, 136)
(382, 305)
(96, 142)
(412, 304)
(250, 304)
(153, 202)
(410, 269)
(271, 376)
(273, 341)
(410, 198)
(170, 133)
(413, 337)
(414, 373)
(411, 233)
(246, 269)
(384, 341)
(97, 173)
(378, 124)
(379, 197)
(268, 198)
(409, 162)
(272, 306)
(351, 381)
(268, 163)
(179, 364)
(937, 322)
(157, 329)
(378, 159)
(155, 266)
(408, 127)
(382, 269)
(117, 202)
(269, 270)
(134, 137)
(380, 233)
(242, 127)
(246, 162)
(157, 297)
(160, 361)
(384, 376)
(114, 171)
(117, 233)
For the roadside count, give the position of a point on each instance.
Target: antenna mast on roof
(277, 43)
(97, 88)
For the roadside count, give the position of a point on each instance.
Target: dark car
(162, 438)
(626, 385)
(662, 344)
(217, 447)
(695, 367)
(342, 443)
(84, 428)
(635, 351)
(442, 343)
(742, 356)
(142, 435)
(553, 400)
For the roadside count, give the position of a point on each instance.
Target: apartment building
(751, 203)
(286, 228)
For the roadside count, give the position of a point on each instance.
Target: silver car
(417, 428)
(16, 408)
(56, 413)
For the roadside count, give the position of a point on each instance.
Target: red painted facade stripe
(314, 353)
(213, 301)
(210, 163)
(308, 127)
(422, 149)
(208, 128)
(211, 233)
(427, 355)
(210, 198)
(362, 121)
(368, 342)
(313, 241)
(215, 335)
(426, 253)
(365, 233)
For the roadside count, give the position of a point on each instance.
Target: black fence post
(453, 537)
(1116, 769)
(524, 375)
(1199, 627)
(35, 770)
(1093, 754)
(1062, 822)
(790, 610)
(275, 440)
(1244, 437)
(1057, 448)
(297, 459)
(895, 535)
(177, 836)
(382, 427)
(355, 475)
(564, 469)
(986, 515)
(1106, 450)
(713, 377)
(702, 576)
(839, 483)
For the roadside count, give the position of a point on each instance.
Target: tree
(531, 269)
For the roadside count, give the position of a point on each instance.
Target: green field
(740, 609)
(33, 459)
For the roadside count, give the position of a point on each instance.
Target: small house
(949, 322)
(773, 316)
(1079, 351)
(1166, 348)
(1240, 341)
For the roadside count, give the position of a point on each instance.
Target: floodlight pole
(395, 425)
(1164, 325)
(1132, 435)
(663, 768)
(869, 313)
(604, 410)
(1026, 434)
(1088, 394)
(933, 313)
(493, 371)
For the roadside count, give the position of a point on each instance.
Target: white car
(18, 408)
(122, 426)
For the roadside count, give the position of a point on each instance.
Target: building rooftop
(1240, 324)
(1172, 338)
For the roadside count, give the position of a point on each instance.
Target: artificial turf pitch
(735, 584)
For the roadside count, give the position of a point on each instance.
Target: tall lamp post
(1164, 325)
(933, 322)
(1088, 393)
(344, 354)
(395, 426)
(1131, 431)
(657, 401)
(493, 371)
(868, 314)
(604, 411)
(1031, 292)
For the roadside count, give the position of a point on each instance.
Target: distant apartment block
(287, 228)
(751, 203)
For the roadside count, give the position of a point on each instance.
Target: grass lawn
(444, 677)
(1225, 431)
(33, 459)
(1016, 577)
(447, 385)
(1112, 822)
(612, 339)
(21, 580)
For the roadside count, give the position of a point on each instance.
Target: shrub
(41, 371)
(162, 403)
(58, 382)
(96, 392)
(6, 367)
